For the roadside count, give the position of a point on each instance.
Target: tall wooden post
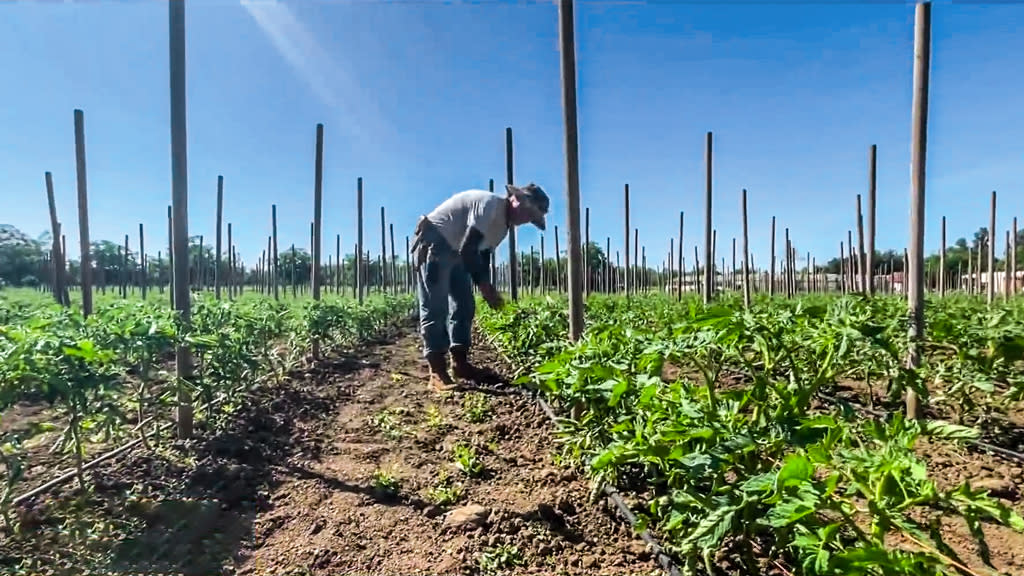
(746, 252)
(383, 252)
(587, 272)
(60, 283)
(861, 258)
(360, 279)
(143, 262)
(179, 200)
(567, 42)
(394, 271)
(771, 272)
(626, 281)
(942, 261)
(991, 289)
(274, 274)
(708, 256)
(558, 264)
(681, 259)
(512, 254)
(1013, 258)
(870, 257)
(220, 226)
(85, 266)
(231, 266)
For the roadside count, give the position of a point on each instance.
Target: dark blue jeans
(445, 291)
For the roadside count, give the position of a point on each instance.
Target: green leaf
(620, 388)
(949, 431)
(796, 470)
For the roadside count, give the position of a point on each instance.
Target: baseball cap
(536, 199)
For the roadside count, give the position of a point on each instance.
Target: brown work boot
(461, 367)
(440, 379)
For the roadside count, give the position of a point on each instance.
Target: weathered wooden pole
(85, 265)
(512, 254)
(626, 281)
(869, 263)
(383, 251)
(771, 268)
(788, 265)
(143, 263)
(708, 255)
(124, 268)
(682, 269)
(558, 264)
(636, 259)
(220, 218)
(587, 272)
(861, 257)
(231, 266)
(359, 275)
(746, 251)
(1013, 258)
(179, 201)
(394, 270)
(60, 282)
(918, 147)
(842, 267)
(942, 261)
(1006, 268)
(274, 279)
(991, 288)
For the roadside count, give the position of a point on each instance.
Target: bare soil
(298, 483)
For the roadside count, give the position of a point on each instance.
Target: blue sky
(415, 97)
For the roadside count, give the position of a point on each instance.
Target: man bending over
(451, 253)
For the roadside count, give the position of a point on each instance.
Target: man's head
(529, 204)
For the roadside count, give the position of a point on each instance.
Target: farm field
(741, 438)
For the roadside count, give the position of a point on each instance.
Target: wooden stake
(512, 254)
(746, 252)
(60, 282)
(179, 201)
(359, 275)
(626, 281)
(85, 265)
(991, 288)
(942, 261)
(771, 274)
(708, 255)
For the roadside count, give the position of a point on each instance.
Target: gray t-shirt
(483, 210)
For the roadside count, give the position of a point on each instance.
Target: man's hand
(491, 296)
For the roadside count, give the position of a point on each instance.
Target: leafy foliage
(713, 415)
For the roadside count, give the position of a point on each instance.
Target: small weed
(467, 460)
(386, 482)
(493, 560)
(435, 419)
(445, 492)
(389, 422)
(476, 407)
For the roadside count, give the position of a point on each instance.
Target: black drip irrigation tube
(666, 562)
(1004, 452)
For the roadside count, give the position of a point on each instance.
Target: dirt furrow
(385, 494)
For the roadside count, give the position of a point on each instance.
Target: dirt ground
(349, 468)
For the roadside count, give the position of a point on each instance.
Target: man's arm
(472, 258)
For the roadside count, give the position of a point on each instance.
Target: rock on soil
(467, 516)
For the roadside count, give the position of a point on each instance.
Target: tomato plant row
(114, 369)
(711, 416)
